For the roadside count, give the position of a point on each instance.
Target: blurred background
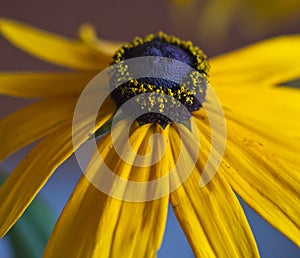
(215, 26)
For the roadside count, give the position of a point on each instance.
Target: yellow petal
(32, 173)
(276, 107)
(247, 81)
(87, 33)
(34, 122)
(262, 165)
(211, 217)
(35, 84)
(52, 48)
(96, 225)
(263, 168)
(265, 63)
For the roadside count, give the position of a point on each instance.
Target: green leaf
(293, 84)
(102, 130)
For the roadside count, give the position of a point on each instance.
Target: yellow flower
(260, 164)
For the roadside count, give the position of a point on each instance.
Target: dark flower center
(157, 99)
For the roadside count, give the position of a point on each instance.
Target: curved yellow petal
(262, 166)
(107, 227)
(276, 107)
(269, 62)
(87, 33)
(265, 173)
(35, 85)
(34, 122)
(32, 173)
(285, 146)
(211, 217)
(52, 48)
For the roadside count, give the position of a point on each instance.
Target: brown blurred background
(114, 19)
(214, 25)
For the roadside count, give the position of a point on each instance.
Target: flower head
(190, 93)
(260, 162)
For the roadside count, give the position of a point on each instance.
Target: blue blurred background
(215, 28)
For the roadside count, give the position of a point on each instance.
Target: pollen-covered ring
(190, 93)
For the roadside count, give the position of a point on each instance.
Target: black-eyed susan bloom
(260, 163)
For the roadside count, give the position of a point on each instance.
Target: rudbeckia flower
(260, 163)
